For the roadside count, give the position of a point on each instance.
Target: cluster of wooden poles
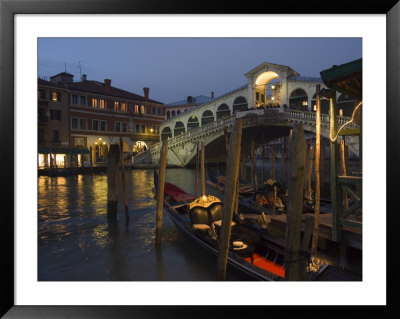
(298, 167)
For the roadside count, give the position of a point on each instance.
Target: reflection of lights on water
(100, 234)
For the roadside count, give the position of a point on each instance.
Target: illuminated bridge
(274, 100)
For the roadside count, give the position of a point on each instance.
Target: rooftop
(195, 100)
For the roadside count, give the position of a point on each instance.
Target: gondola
(200, 220)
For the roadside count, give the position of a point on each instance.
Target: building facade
(96, 116)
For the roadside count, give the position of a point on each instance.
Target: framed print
(38, 250)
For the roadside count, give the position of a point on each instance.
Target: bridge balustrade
(301, 116)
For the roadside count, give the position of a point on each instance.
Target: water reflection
(77, 242)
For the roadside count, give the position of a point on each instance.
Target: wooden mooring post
(112, 168)
(203, 171)
(160, 190)
(273, 158)
(344, 163)
(196, 185)
(121, 146)
(317, 172)
(229, 198)
(295, 264)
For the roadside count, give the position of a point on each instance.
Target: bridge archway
(193, 122)
(179, 128)
(139, 147)
(262, 99)
(223, 111)
(298, 100)
(207, 117)
(240, 104)
(166, 133)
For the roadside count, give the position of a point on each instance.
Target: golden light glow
(265, 77)
(345, 124)
(315, 107)
(272, 87)
(272, 98)
(99, 138)
(341, 112)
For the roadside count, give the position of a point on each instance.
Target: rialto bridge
(273, 100)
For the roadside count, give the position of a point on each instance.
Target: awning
(62, 150)
(345, 78)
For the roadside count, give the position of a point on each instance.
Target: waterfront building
(98, 114)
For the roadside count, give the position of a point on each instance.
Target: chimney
(212, 95)
(83, 77)
(146, 93)
(107, 84)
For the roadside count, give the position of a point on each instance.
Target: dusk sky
(174, 68)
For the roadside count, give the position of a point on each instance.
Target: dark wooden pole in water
(273, 157)
(121, 148)
(262, 162)
(160, 190)
(295, 265)
(203, 173)
(229, 198)
(317, 172)
(226, 139)
(252, 163)
(343, 150)
(196, 186)
(336, 195)
(112, 168)
(309, 168)
(322, 165)
(274, 202)
(283, 168)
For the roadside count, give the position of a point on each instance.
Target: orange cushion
(266, 264)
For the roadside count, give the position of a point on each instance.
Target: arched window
(166, 133)
(178, 112)
(173, 114)
(207, 117)
(222, 111)
(193, 123)
(168, 115)
(298, 100)
(240, 104)
(179, 128)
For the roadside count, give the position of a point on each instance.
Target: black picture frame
(8, 10)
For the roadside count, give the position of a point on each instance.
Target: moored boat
(200, 220)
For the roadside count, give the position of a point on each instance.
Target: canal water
(77, 243)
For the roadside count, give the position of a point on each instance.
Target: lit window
(95, 103)
(102, 103)
(304, 103)
(142, 109)
(341, 112)
(55, 96)
(136, 108)
(315, 107)
(116, 106)
(123, 106)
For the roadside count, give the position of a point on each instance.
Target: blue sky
(174, 68)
